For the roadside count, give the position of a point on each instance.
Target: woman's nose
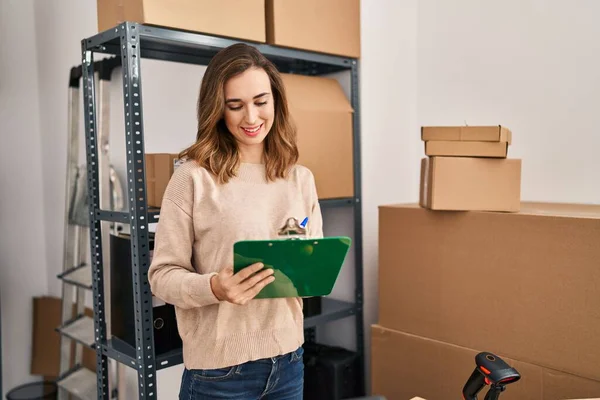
(251, 115)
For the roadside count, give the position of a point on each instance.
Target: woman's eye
(261, 104)
(235, 108)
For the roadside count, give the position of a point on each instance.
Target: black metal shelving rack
(132, 41)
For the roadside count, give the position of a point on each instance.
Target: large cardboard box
(470, 184)
(405, 365)
(159, 169)
(323, 116)
(522, 284)
(241, 19)
(326, 26)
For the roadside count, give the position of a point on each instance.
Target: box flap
(315, 93)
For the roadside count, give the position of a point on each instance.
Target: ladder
(77, 328)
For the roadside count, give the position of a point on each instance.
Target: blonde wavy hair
(216, 148)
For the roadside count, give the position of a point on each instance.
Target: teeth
(252, 130)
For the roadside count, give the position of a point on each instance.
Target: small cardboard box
(323, 117)
(45, 342)
(241, 19)
(455, 148)
(325, 26)
(466, 141)
(470, 184)
(497, 133)
(159, 168)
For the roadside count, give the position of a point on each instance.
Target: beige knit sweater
(200, 220)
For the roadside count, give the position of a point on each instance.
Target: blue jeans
(276, 378)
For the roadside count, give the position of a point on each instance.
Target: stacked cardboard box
(324, 26)
(159, 169)
(521, 285)
(467, 168)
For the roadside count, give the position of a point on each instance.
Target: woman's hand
(243, 286)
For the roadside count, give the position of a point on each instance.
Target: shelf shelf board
(80, 275)
(169, 359)
(81, 383)
(196, 48)
(81, 330)
(332, 310)
(121, 351)
(339, 202)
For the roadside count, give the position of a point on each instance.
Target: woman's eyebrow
(239, 100)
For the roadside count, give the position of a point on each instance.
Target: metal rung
(125, 217)
(80, 330)
(80, 276)
(114, 216)
(81, 383)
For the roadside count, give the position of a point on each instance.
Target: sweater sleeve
(172, 276)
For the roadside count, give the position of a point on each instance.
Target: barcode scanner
(490, 370)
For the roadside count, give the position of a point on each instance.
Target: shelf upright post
(358, 243)
(91, 134)
(138, 210)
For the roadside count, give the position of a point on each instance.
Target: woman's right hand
(242, 287)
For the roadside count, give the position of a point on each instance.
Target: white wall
(22, 196)
(531, 65)
(390, 139)
(59, 28)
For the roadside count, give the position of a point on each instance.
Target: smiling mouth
(252, 130)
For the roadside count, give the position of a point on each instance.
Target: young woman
(239, 181)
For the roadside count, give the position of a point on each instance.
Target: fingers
(254, 290)
(247, 272)
(255, 279)
(243, 286)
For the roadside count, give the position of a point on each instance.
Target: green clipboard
(302, 267)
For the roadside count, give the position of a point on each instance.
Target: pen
(304, 222)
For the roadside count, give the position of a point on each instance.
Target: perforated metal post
(89, 101)
(138, 210)
(358, 250)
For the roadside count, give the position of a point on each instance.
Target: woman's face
(249, 108)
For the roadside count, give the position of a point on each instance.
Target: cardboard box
(323, 116)
(454, 148)
(325, 26)
(45, 343)
(521, 284)
(241, 19)
(159, 169)
(403, 364)
(497, 133)
(470, 184)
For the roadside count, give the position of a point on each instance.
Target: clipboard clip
(292, 230)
